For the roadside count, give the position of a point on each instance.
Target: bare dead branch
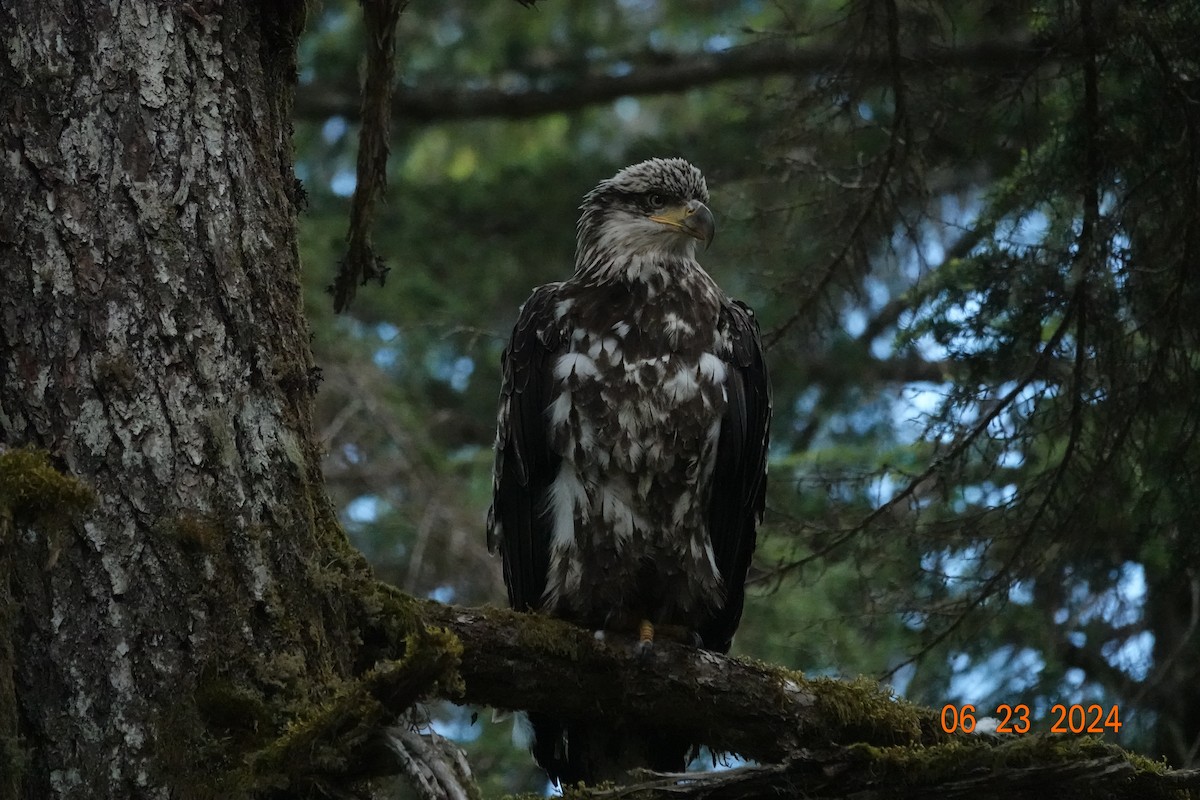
(979, 770)
(361, 263)
(666, 73)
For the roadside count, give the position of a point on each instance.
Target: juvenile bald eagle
(631, 446)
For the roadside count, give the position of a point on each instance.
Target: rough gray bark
(152, 340)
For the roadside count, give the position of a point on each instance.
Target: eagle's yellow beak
(692, 217)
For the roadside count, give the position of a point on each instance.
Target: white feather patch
(559, 410)
(681, 508)
(574, 576)
(712, 368)
(629, 419)
(615, 511)
(630, 457)
(567, 500)
(702, 552)
(681, 386)
(675, 325)
(587, 440)
(577, 364)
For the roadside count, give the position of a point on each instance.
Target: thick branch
(517, 661)
(666, 74)
(817, 738)
(889, 748)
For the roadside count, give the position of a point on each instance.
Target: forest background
(969, 231)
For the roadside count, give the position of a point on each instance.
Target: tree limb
(666, 74)
(435, 767)
(361, 263)
(819, 738)
(732, 705)
(975, 770)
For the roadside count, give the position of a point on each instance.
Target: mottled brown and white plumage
(631, 445)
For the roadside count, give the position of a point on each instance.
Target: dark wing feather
(740, 476)
(525, 466)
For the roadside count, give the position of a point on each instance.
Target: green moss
(200, 740)
(36, 493)
(325, 739)
(285, 670)
(919, 766)
(442, 646)
(231, 709)
(915, 767)
(392, 612)
(1029, 766)
(195, 532)
(541, 632)
(867, 711)
(853, 710)
(1148, 766)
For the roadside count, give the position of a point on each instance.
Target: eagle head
(653, 208)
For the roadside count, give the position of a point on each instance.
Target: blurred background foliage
(970, 232)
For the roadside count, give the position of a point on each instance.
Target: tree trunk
(152, 341)
(180, 613)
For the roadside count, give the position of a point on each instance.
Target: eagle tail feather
(572, 752)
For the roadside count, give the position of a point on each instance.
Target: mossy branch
(763, 712)
(818, 738)
(342, 741)
(814, 737)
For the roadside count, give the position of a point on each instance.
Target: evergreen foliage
(970, 231)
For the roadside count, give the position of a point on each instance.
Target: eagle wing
(740, 476)
(518, 524)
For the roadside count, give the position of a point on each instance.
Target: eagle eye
(655, 201)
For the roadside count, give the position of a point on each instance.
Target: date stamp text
(1073, 718)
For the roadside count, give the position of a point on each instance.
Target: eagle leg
(645, 637)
